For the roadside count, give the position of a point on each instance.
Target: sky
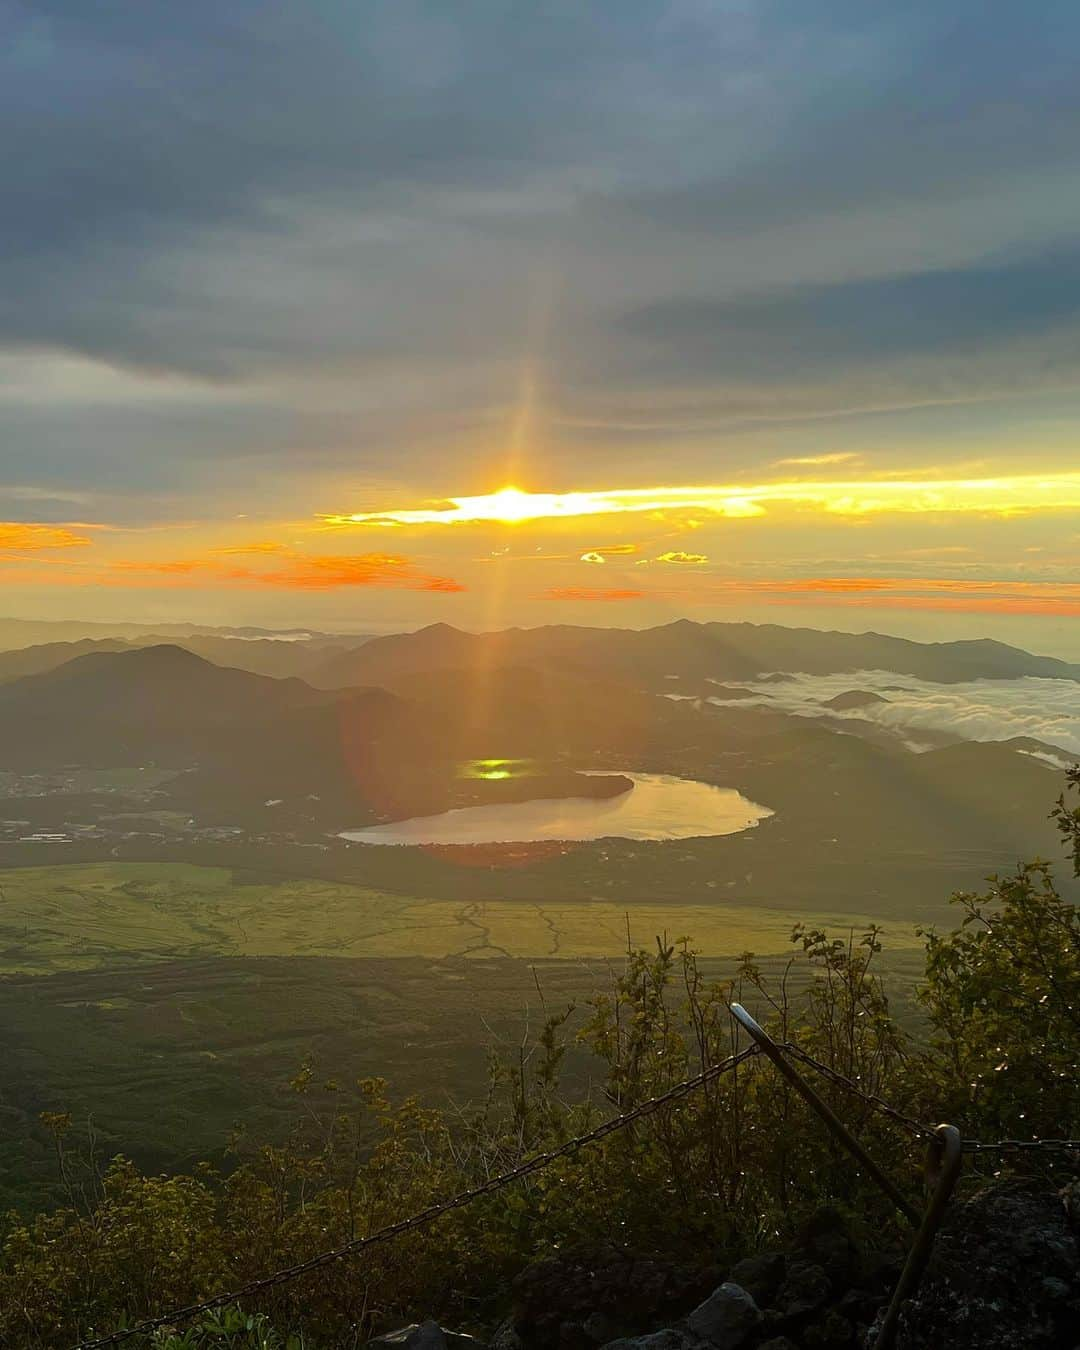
(362, 315)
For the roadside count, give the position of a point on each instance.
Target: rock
(831, 1332)
(635, 1293)
(860, 1305)
(426, 1336)
(826, 1239)
(507, 1336)
(417, 1336)
(1004, 1275)
(761, 1276)
(806, 1288)
(668, 1339)
(599, 1328)
(727, 1319)
(572, 1337)
(778, 1343)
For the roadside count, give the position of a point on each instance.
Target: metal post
(943, 1164)
(765, 1041)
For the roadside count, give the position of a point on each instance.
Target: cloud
(977, 710)
(19, 537)
(589, 594)
(836, 457)
(677, 556)
(1007, 494)
(319, 573)
(1052, 599)
(294, 569)
(1056, 599)
(592, 557)
(268, 546)
(810, 327)
(347, 227)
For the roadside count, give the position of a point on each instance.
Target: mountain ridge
(687, 649)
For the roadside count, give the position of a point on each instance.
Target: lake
(659, 806)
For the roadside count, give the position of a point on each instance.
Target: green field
(85, 916)
(169, 1001)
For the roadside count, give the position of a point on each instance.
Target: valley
(194, 894)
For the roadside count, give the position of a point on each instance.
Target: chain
(924, 1131)
(871, 1099)
(1023, 1146)
(426, 1216)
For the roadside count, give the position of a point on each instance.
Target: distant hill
(244, 739)
(853, 698)
(48, 655)
(396, 746)
(727, 651)
(275, 656)
(160, 704)
(262, 656)
(32, 632)
(652, 658)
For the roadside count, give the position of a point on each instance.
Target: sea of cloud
(976, 710)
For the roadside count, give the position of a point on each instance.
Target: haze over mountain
(418, 706)
(728, 651)
(262, 651)
(158, 703)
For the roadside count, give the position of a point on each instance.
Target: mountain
(33, 632)
(438, 699)
(48, 655)
(686, 650)
(243, 740)
(278, 657)
(160, 704)
(853, 698)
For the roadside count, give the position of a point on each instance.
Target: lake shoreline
(660, 807)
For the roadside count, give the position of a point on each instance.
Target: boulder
(1004, 1275)
(827, 1239)
(806, 1288)
(507, 1337)
(634, 1293)
(668, 1339)
(831, 1331)
(426, 1336)
(761, 1276)
(599, 1328)
(727, 1319)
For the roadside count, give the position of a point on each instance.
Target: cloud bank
(978, 710)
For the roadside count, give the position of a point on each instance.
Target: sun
(511, 505)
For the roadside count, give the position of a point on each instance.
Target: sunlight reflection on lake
(659, 806)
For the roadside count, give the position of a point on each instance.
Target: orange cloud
(1046, 598)
(678, 556)
(256, 546)
(22, 537)
(297, 571)
(315, 572)
(589, 593)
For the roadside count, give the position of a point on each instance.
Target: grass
(86, 916)
(168, 1001)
